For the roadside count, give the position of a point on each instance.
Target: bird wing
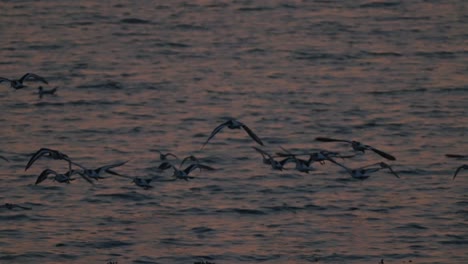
(262, 152)
(44, 175)
(86, 178)
(32, 76)
(458, 170)
(205, 167)
(165, 165)
(393, 172)
(191, 168)
(107, 167)
(191, 157)
(4, 79)
(339, 164)
(215, 131)
(386, 166)
(381, 153)
(36, 156)
(252, 134)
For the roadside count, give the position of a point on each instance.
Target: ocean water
(137, 77)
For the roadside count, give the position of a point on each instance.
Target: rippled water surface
(137, 77)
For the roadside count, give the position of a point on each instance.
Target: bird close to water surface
(18, 84)
(357, 146)
(234, 124)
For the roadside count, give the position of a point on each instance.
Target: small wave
(283, 208)
(102, 85)
(173, 45)
(134, 21)
(202, 229)
(242, 211)
(45, 47)
(15, 217)
(412, 226)
(190, 27)
(255, 8)
(131, 196)
(455, 240)
(436, 54)
(400, 91)
(380, 4)
(31, 257)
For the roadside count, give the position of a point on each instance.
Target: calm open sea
(134, 77)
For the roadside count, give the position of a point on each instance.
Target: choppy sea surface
(134, 77)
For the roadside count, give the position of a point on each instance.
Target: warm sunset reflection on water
(135, 79)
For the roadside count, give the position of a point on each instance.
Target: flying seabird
(357, 146)
(234, 124)
(18, 84)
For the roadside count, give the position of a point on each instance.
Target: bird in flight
(270, 160)
(59, 177)
(234, 124)
(18, 84)
(357, 146)
(364, 172)
(51, 153)
(163, 156)
(96, 173)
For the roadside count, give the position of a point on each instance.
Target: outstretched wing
(32, 76)
(462, 167)
(55, 154)
(83, 175)
(44, 175)
(191, 168)
(107, 167)
(386, 166)
(41, 152)
(381, 153)
(191, 158)
(4, 79)
(264, 153)
(252, 134)
(215, 131)
(165, 165)
(205, 167)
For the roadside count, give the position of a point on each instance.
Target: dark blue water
(134, 78)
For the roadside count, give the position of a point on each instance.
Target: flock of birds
(278, 161)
